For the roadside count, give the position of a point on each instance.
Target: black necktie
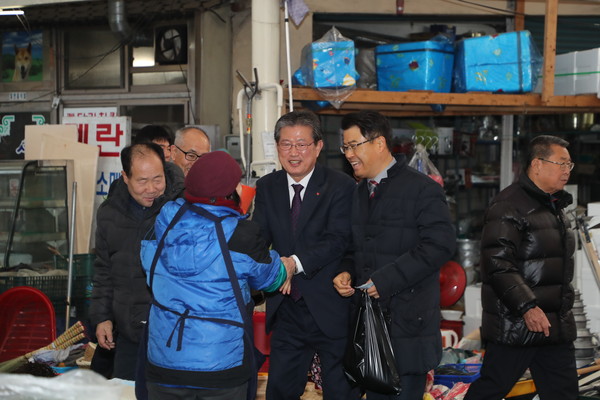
(295, 212)
(296, 203)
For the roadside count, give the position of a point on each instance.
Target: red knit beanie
(214, 174)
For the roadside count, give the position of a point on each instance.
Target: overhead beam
(29, 3)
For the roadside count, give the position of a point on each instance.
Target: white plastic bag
(421, 162)
(76, 384)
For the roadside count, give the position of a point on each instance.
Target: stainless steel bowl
(584, 352)
(581, 343)
(580, 317)
(581, 324)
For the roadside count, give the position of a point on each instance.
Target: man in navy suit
(309, 226)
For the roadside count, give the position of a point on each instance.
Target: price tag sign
(17, 96)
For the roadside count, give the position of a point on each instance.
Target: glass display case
(34, 210)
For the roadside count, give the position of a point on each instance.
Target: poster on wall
(12, 132)
(22, 56)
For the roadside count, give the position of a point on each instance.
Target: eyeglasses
(301, 147)
(563, 165)
(353, 146)
(189, 155)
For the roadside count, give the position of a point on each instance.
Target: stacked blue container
(507, 62)
(415, 66)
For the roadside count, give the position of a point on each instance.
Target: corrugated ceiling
(84, 12)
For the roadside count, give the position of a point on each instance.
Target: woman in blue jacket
(201, 267)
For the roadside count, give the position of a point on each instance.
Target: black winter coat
(401, 239)
(527, 251)
(120, 293)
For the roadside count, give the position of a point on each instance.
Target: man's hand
(290, 267)
(536, 321)
(343, 284)
(372, 291)
(104, 334)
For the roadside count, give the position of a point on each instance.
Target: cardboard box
(415, 66)
(507, 63)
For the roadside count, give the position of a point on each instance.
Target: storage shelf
(41, 203)
(34, 237)
(417, 103)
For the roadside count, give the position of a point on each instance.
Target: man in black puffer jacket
(120, 297)
(402, 236)
(527, 251)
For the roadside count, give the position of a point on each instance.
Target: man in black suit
(308, 316)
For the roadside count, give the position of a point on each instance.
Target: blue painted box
(415, 66)
(329, 64)
(508, 63)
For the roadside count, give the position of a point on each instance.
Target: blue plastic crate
(415, 66)
(329, 64)
(472, 372)
(507, 63)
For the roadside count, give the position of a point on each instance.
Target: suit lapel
(312, 196)
(281, 195)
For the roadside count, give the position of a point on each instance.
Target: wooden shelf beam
(471, 103)
(418, 103)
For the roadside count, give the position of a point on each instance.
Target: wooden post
(550, 25)
(520, 15)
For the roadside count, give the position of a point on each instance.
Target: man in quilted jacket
(527, 265)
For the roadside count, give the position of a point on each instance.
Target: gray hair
(300, 118)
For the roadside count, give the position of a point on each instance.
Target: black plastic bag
(369, 360)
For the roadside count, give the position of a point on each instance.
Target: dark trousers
(126, 356)
(413, 388)
(296, 337)
(552, 368)
(159, 392)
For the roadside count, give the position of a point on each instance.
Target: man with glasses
(304, 212)
(402, 236)
(190, 143)
(527, 251)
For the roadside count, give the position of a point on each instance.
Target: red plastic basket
(262, 341)
(27, 321)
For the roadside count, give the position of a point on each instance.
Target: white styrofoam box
(473, 300)
(471, 323)
(587, 71)
(593, 209)
(590, 294)
(572, 189)
(595, 236)
(564, 80)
